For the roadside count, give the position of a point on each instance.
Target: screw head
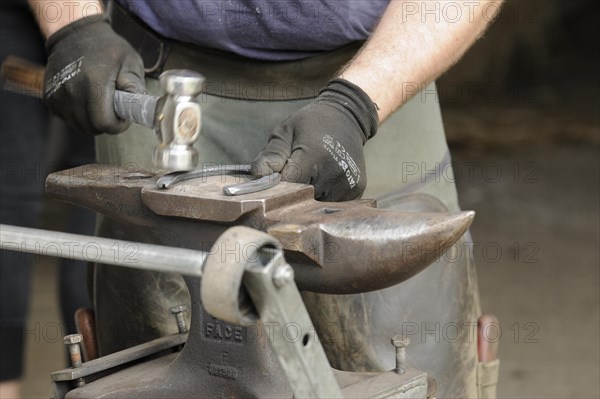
(178, 309)
(72, 339)
(400, 341)
(283, 275)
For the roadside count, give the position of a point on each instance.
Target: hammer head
(179, 120)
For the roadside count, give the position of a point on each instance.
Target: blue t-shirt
(260, 29)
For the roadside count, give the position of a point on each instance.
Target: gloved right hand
(87, 61)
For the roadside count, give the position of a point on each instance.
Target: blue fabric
(268, 30)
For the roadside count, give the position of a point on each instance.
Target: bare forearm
(53, 15)
(414, 43)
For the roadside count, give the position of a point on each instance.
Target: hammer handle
(23, 77)
(135, 107)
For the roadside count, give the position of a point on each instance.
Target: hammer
(175, 116)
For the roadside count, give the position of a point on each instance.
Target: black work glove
(322, 143)
(87, 61)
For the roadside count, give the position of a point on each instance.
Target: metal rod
(102, 250)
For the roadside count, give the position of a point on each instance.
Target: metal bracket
(63, 380)
(259, 266)
(301, 356)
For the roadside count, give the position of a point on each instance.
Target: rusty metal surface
(413, 384)
(218, 360)
(415, 307)
(120, 358)
(152, 379)
(86, 326)
(338, 248)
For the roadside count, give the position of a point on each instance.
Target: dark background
(532, 79)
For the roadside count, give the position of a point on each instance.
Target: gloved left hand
(322, 143)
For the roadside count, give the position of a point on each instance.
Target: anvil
(336, 248)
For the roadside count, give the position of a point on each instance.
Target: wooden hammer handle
(22, 76)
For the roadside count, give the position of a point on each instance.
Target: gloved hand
(87, 61)
(322, 143)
